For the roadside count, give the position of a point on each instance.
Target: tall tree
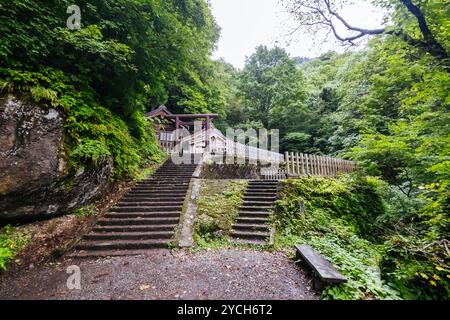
(270, 83)
(414, 22)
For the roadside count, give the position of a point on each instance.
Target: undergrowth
(334, 217)
(217, 209)
(11, 242)
(94, 133)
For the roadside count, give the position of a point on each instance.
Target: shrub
(336, 211)
(11, 242)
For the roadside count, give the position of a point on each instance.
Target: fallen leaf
(144, 287)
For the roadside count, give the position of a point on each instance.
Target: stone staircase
(252, 226)
(145, 218)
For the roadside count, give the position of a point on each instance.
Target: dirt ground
(166, 274)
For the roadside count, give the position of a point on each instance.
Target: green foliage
(387, 107)
(272, 88)
(94, 132)
(88, 211)
(333, 224)
(417, 267)
(90, 150)
(127, 57)
(217, 209)
(11, 242)
(370, 231)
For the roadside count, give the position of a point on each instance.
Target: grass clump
(11, 242)
(217, 209)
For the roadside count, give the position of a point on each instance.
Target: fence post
(322, 171)
(297, 160)
(305, 157)
(303, 164)
(287, 161)
(293, 163)
(314, 164)
(330, 166)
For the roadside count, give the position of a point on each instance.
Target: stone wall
(230, 171)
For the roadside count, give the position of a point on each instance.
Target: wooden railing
(168, 146)
(273, 174)
(299, 164)
(167, 141)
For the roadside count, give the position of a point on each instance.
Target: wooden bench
(324, 273)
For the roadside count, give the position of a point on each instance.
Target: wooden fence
(167, 141)
(299, 164)
(273, 174)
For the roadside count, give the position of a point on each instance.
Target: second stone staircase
(253, 223)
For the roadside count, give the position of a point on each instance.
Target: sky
(246, 24)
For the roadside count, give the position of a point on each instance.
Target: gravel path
(164, 274)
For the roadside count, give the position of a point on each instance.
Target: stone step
(149, 203)
(162, 187)
(260, 188)
(110, 253)
(177, 208)
(172, 175)
(128, 235)
(127, 215)
(169, 189)
(274, 185)
(122, 245)
(176, 169)
(138, 222)
(255, 242)
(258, 208)
(139, 193)
(151, 228)
(260, 194)
(255, 203)
(250, 235)
(252, 220)
(254, 214)
(270, 199)
(154, 194)
(156, 198)
(161, 182)
(181, 165)
(251, 227)
(165, 177)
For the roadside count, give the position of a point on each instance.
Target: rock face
(35, 180)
